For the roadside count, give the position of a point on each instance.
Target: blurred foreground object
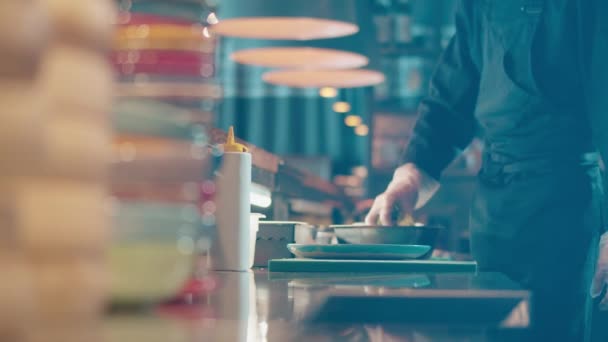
(56, 88)
(163, 200)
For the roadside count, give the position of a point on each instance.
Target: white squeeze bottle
(231, 246)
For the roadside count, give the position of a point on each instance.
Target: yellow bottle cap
(231, 145)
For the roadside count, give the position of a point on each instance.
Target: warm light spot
(289, 58)
(362, 130)
(208, 188)
(360, 171)
(284, 28)
(206, 32)
(212, 19)
(352, 120)
(306, 78)
(341, 107)
(328, 92)
(209, 207)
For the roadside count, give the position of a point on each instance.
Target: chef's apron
(537, 213)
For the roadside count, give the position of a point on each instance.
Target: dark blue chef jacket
(530, 77)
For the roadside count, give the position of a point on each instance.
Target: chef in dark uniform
(532, 77)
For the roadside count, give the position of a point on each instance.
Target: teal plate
(189, 11)
(360, 252)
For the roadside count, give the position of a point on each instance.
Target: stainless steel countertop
(258, 306)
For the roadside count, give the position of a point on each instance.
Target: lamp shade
(300, 58)
(287, 19)
(352, 78)
(347, 52)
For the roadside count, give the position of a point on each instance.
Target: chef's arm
(446, 123)
(597, 73)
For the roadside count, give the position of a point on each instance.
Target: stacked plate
(373, 243)
(56, 91)
(163, 203)
(64, 209)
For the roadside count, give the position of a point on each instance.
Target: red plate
(128, 18)
(163, 62)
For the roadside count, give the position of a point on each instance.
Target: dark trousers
(542, 230)
(599, 326)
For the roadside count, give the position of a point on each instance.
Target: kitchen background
(114, 114)
(354, 137)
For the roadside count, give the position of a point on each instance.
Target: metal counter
(282, 307)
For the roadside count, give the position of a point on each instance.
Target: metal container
(398, 235)
(274, 236)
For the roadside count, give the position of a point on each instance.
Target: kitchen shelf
(286, 181)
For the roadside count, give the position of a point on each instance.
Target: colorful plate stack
(164, 60)
(56, 91)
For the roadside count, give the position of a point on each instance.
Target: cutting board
(371, 266)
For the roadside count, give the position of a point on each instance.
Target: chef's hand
(600, 281)
(403, 195)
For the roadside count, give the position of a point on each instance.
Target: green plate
(360, 252)
(155, 118)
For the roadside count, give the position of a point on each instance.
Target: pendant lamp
(352, 78)
(286, 19)
(350, 52)
(300, 58)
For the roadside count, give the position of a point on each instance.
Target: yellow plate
(161, 31)
(203, 46)
(163, 37)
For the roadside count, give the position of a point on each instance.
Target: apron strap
(590, 159)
